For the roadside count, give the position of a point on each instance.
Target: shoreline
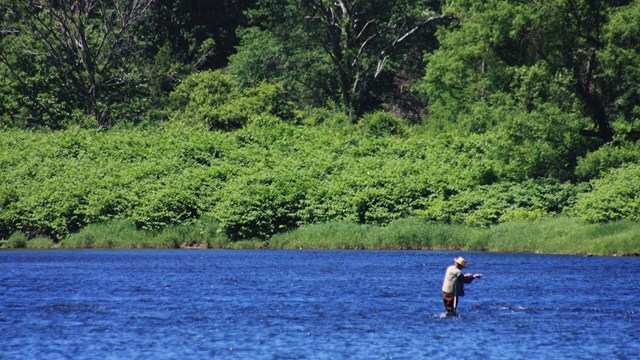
(248, 247)
(558, 235)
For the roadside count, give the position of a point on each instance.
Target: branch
(382, 57)
(34, 99)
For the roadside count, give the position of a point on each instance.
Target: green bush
(17, 240)
(215, 101)
(492, 204)
(169, 204)
(615, 196)
(200, 93)
(605, 159)
(261, 206)
(381, 123)
(271, 177)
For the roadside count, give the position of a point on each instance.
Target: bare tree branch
(352, 39)
(382, 57)
(88, 41)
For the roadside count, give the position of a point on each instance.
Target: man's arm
(468, 278)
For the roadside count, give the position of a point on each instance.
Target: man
(453, 285)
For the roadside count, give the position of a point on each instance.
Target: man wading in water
(453, 285)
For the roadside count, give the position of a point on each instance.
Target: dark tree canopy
(360, 45)
(186, 24)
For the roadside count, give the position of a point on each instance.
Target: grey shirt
(450, 279)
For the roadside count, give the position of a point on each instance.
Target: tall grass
(563, 235)
(558, 235)
(409, 233)
(112, 234)
(124, 234)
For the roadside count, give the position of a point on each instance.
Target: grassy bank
(560, 235)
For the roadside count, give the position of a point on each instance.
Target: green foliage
(614, 196)
(271, 177)
(578, 57)
(15, 241)
(556, 235)
(197, 99)
(215, 101)
(532, 114)
(597, 163)
(262, 205)
(492, 204)
(169, 204)
(381, 123)
(257, 181)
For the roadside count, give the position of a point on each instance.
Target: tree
(535, 53)
(90, 46)
(185, 25)
(355, 39)
(620, 61)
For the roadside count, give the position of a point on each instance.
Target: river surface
(207, 304)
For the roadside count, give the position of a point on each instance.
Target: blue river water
(209, 304)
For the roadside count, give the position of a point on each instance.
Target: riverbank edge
(558, 235)
(259, 246)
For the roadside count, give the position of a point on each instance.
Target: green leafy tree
(578, 56)
(620, 59)
(90, 48)
(351, 42)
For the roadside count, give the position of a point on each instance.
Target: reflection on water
(312, 304)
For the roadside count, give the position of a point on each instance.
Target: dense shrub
(608, 157)
(615, 196)
(261, 206)
(215, 101)
(266, 179)
(492, 204)
(381, 123)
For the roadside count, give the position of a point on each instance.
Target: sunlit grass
(558, 235)
(563, 235)
(40, 243)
